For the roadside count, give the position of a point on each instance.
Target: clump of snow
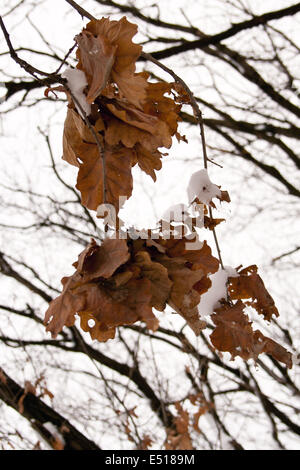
(201, 187)
(211, 299)
(77, 82)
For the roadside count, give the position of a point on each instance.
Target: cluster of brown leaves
(120, 281)
(132, 117)
(234, 332)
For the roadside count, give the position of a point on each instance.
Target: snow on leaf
(77, 83)
(201, 188)
(249, 284)
(210, 300)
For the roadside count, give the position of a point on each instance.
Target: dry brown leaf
(165, 108)
(126, 132)
(183, 298)
(204, 408)
(178, 441)
(81, 150)
(97, 57)
(129, 114)
(92, 293)
(61, 311)
(210, 223)
(132, 117)
(203, 285)
(187, 269)
(250, 285)
(112, 307)
(102, 261)
(200, 259)
(118, 176)
(234, 334)
(96, 330)
(182, 420)
(158, 275)
(114, 51)
(92, 263)
(147, 161)
(269, 346)
(183, 96)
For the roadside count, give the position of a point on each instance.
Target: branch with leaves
(116, 119)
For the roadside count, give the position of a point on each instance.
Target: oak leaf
(269, 346)
(97, 58)
(129, 132)
(112, 307)
(183, 298)
(200, 259)
(210, 222)
(107, 54)
(61, 310)
(92, 293)
(234, 334)
(186, 269)
(82, 150)
(250, 285)
(118, 177)
(147, 161)
(158, 275)
(102, 261)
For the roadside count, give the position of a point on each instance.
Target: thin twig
(65, 58)
(198, 115)
(83, 13)
(196, 110)
(25, 65)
